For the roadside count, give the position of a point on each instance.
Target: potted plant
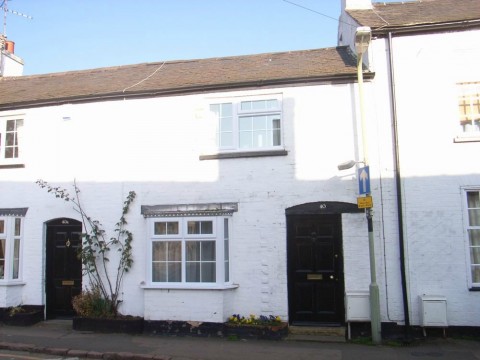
(21, 315)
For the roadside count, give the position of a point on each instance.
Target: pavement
(57, 339)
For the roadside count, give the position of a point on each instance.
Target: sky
(66, 35)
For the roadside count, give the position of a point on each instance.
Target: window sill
(463, 139)
(12, 283)
(474, 288)
(12, 166)
(244, 154)
(190, 286)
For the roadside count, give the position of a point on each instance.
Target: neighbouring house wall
(434, 168)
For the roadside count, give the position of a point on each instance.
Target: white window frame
(467, 227)
(468, 111)
(19, 139)
(10, 238)
(238, 113)
(183, 236)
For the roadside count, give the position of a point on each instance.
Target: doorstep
(316, 333)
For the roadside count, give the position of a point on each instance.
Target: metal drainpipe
(398, 182)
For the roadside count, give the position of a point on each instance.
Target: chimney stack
(10, 64)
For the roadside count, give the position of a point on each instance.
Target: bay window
(187, 250)
(473, 234)
(10, 242)
(189, 244)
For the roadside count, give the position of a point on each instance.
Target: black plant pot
(124, 324)
(27, 316)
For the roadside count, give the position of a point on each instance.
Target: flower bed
(24, 315)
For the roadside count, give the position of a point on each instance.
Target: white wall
(153, 146)
(433, 167)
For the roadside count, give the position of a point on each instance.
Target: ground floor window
(189, 250)
(472, 197)
(10, 242)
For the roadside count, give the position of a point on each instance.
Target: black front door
(315, 269)
(63, 267)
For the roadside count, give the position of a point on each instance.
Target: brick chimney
(10, 64)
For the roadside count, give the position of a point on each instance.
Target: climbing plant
(96, 247)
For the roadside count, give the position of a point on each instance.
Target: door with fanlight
(315, 269)
(63, 266)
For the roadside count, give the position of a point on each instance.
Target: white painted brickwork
(153, 147)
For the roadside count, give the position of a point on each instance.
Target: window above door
(248, 126)
(11, 144)
(469, 111)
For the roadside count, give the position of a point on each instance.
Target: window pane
(166, 228)
(200, 227)
(193, 272)
(245, 123)
(226, 250)
(10, 139)
(9, 153)
(2, 226)
(193, 251)
(208, 251)
(475, 255)
(246, 105)
(16, 258)
(272, 104)
(159, 251)
(476, 274)
(2, 258)
(11, 125)
(174, 251)
(473, 199)
(208, 272)
(175, 272)
(474, 235)
(226, 124)
(18, 222)
(159, 272)
(474, 217)
(226, 139)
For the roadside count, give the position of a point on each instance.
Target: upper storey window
(10, 139)
(469, 109)
(249, 124)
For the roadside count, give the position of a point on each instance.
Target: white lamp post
(363, 37)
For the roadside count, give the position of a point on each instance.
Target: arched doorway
(63, 267)
(315, 262)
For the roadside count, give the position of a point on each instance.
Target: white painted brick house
(240, 206)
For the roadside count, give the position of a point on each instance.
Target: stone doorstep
(316, 333)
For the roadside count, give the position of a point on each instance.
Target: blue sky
(82, 34)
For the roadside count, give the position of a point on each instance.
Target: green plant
(91, 303)
(254, 320)
(12, 311)
(96, 246)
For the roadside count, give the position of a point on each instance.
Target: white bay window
(189, 248)
(11, 233)
(472, 198)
